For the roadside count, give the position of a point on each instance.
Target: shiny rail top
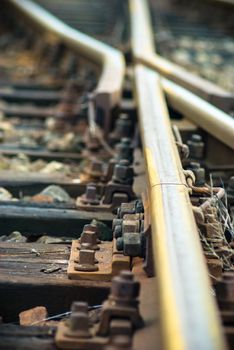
(188, 312)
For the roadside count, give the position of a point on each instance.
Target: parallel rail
(109, 89)
(202, 113)
(203, 88)
(188, 313)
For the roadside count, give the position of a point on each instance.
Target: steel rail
(203, 113)
(201, 87)
(188, 312)
(109, 89)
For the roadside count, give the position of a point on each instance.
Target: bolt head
(78, 325)
(86, 261)
(79, 306)
(88, 240)
(124, 287)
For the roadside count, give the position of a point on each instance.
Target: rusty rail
(197, 85)
(109, 88)
(188, 313)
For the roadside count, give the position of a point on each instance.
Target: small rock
(38, 165)
(28, 143)
(5, 195)
(41, 198)
(53, 167)
(57, 193)
(33, 316)
(16, 236)
(105, 231)
(69, 142)
(3, 238)
(50, 240)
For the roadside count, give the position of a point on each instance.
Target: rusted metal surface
(97, 265)
(119, 317)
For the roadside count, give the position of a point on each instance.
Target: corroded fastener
(199, 173)
(88, 240)
(124, 150)
(90, 196)
(123, 127)
(125, 289)
(123, 173)
(130, 208)
(95, 168)
(196, 146)
(117, 227)
(86, 261)
(122, 303)
(78, 325)
(93, 227)
(79, 306)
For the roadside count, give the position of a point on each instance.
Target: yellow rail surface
(188, 311)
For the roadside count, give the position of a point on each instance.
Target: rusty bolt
(132, 244)
(117, 232)
(88, 240)
(117, 227)
(123, 127)
(196, 146)
(124, 289)
(90, 196)
(116, 222)
(96, 168)
(119, 243)
(199, 173)
(124, 150)
(79, 306)
(78, 325)
(123, 173)
(131, 226)
(130, 208)
(86, 261)
(93, 227)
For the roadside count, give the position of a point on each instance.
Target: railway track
(191, 38)
(103, 179)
